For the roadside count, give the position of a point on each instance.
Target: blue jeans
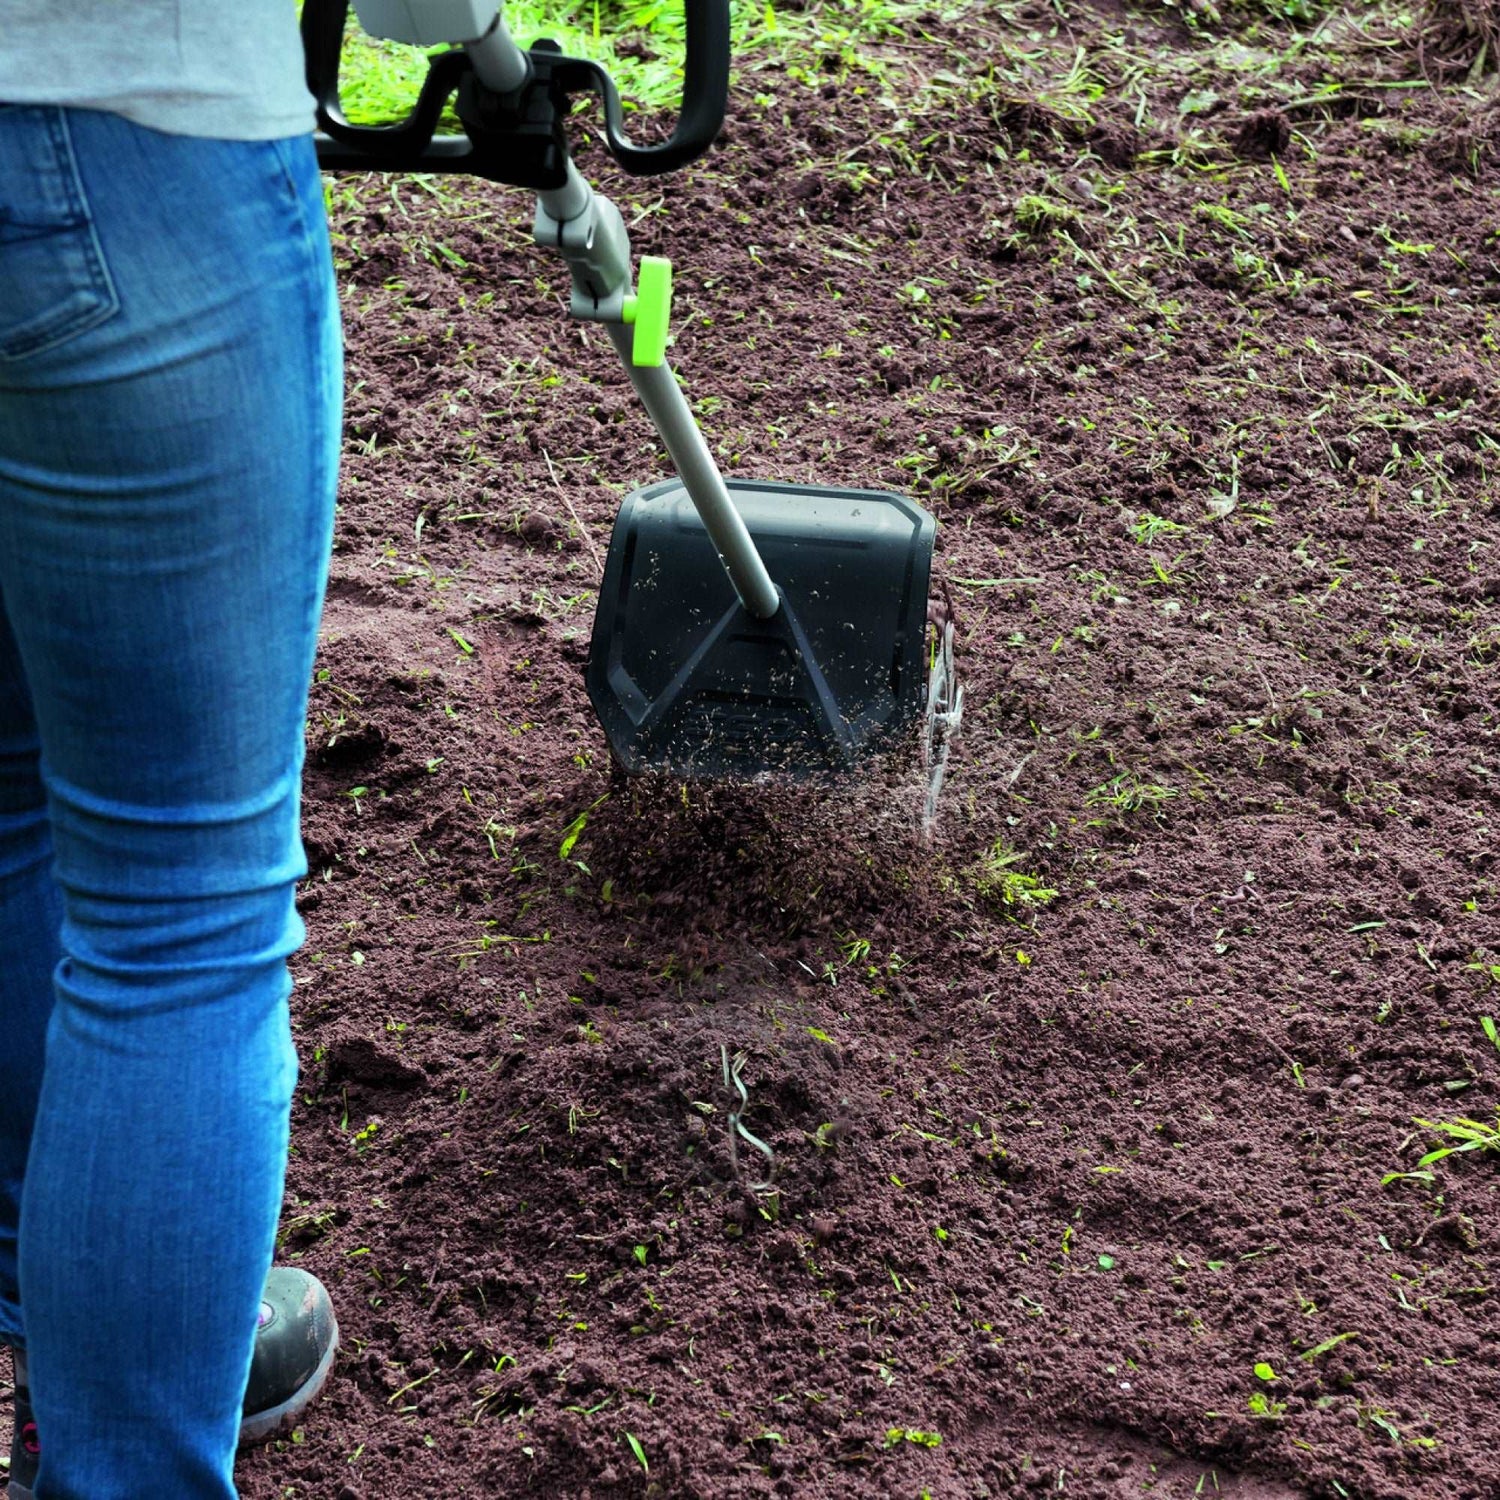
(170, 375)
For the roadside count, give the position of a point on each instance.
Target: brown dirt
(1051, 1177)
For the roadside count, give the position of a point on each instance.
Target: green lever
(650, 310)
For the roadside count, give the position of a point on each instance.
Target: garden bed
(1096, 1113)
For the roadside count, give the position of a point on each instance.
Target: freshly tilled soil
(1081, 1105)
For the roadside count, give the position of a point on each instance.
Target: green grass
(1468, 1135)
(913, 1435)
(1035, 215)
(1013, 891)
(380, 80)
(1127, 793)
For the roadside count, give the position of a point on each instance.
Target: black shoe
(295, 1344)
(296, 1340)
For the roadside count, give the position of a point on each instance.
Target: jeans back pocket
(54, 283)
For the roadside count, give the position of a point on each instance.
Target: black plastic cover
(684, 680)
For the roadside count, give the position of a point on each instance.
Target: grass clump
(1468, 1135)
(1036, 215)
(913, 1435)
(1128, 793)
(1014, 891)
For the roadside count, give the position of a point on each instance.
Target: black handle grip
(322, 40)
(400, 146)
(705, 96)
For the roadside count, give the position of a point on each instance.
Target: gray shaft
(503, 66)
(500, 64)
(569, 200)
(669, 412)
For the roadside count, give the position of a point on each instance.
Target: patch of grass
(642, 43)
(1036, 215)
(1127, 793)
(913, 1435)
(1012, 890)
(1224, 216)
(1148, 527)
(1206, 14)
(1261, 1405)
(1470, 1135)
(1025, 90)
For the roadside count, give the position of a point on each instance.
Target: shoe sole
(266, 1424)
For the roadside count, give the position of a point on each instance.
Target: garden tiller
(744, 627)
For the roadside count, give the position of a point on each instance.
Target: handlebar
(413, 144)
(705, 96)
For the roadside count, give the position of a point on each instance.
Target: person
(170, 390)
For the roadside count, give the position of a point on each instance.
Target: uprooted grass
(1466, 1135)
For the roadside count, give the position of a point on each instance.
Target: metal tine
(735, 1084)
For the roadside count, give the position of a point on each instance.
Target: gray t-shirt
(229, 69)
